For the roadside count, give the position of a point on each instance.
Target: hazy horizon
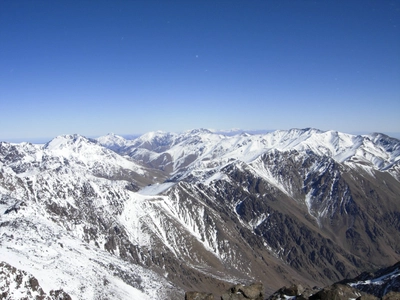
(43, 140)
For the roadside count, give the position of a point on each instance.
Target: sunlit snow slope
(152, 217)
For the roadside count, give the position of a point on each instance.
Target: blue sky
(94, 67)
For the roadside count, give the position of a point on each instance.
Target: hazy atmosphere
(129, 67)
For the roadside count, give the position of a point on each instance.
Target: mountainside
(383, 284)
(378, 283)
(153, 217)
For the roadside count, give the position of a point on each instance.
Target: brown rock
(238, 292)
(294, 290)
(337, 292)
(392, 296)
(198, 296)
(254, 291)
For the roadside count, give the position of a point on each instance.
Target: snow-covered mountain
(152, 217)
(54, 198)
(201, 148)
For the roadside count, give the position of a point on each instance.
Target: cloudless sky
(94, 67)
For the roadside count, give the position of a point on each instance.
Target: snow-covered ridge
(168, 199)
(39, 246)
(113, 141)
(87, 153)
(378, 283)
(207, 149)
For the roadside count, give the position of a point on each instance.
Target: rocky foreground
(383, 284)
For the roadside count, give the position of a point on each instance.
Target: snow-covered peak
(204, 148)
(89, 153)
(110, 137)
(156, 141)
(113, 141)
(199, 131)
(69, 140)
(27, 147)
(76, 146)
(388, 143)
(153, 135)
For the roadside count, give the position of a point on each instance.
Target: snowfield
(33, 243)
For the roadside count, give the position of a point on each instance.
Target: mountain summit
(164, 213)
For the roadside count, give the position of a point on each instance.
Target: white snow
(379, 280)
(80, 269)
(216, 176)
(90, 154)
(71, 169)
(202, 149)
(156, 189)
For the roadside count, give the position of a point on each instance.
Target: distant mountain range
(155, 216)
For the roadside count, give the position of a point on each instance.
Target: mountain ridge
(188, 210)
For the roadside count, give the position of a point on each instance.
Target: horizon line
(43, 140)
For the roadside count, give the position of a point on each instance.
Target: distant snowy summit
(376, 149)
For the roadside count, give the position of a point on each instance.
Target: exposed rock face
(18, 284)
(383, 284)
(378, 283)
(294, 290)
(59, 295)
(239, 292)
(337, 292)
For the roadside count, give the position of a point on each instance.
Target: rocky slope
(17, 284)
(379, 283)
(152, 217)
(382, 284)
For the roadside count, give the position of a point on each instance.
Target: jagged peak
(113, 142)
(245, 134)
(62, 141)
(376, 136)
(200, 131)
(110, 137)
(113, 135)
(308, 130)
(390, 144)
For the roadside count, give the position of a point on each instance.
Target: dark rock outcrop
(294, 290)
(237, 292)
(379, 283)
(383, 284)
(337, 292)
(59, 295)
